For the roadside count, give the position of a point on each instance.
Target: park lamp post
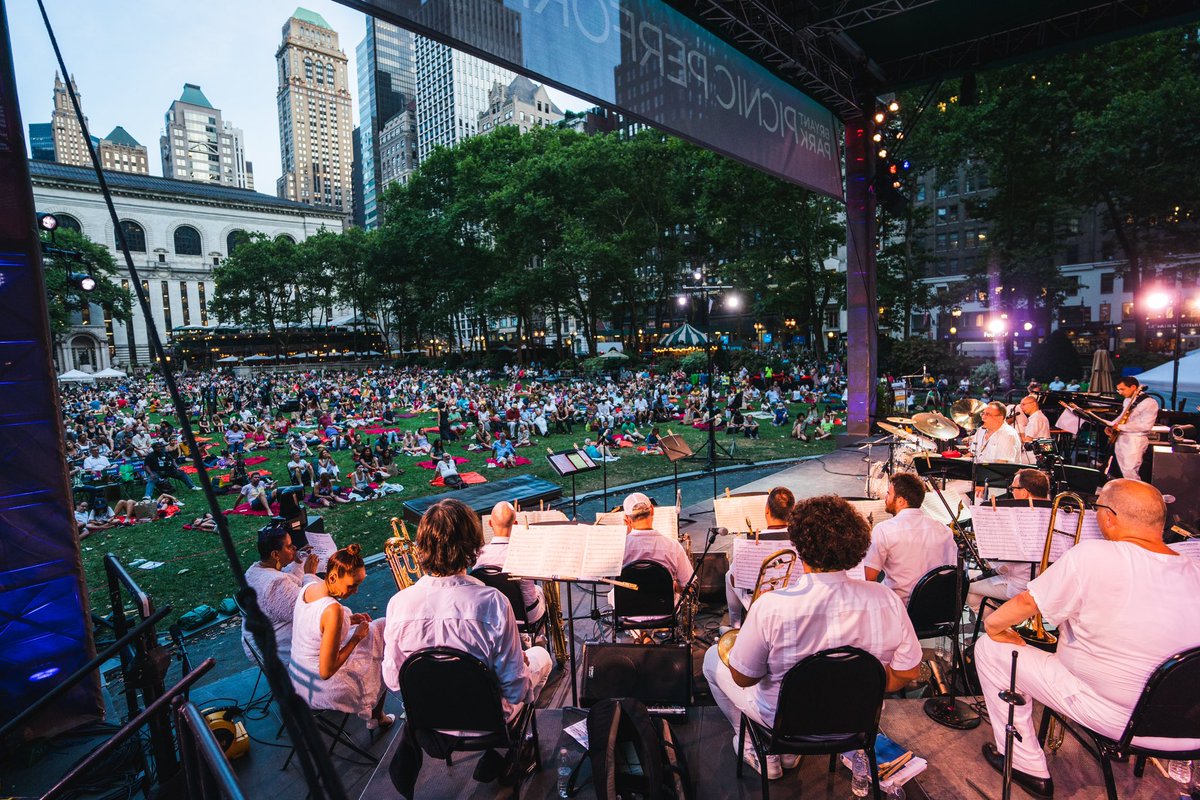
(1159, 300)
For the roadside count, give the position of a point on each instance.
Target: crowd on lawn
(123, 435)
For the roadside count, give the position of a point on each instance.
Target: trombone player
(779, 506)
(1123, 606)
(784, 626)
(1011, 578)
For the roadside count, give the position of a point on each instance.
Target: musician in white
(277, 581)
(494, 552)
(1122, 607)
(909, 544)
(1032, 425)
(784, 626)
(1011, 578)
(1134, 433)
(996, 440)
(779, 507)
(643, 542)
(449, 608)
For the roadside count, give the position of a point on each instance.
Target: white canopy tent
(76, 376)
(109, 373)
(1159, 380)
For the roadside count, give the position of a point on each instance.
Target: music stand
(996, 473)
(1083, 480)
(930, 466)
(675, 449)
(571, 462)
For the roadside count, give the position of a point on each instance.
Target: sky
(130, 59)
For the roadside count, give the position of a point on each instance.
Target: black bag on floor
(634, 755)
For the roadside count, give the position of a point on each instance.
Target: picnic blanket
(245, 510)
(468, 478)
(520, 461)
(252, 460)
(431, 465)
(406, 415)
(434, 429)
(373, 431)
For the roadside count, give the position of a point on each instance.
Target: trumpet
(400, 552)
(1033, 631)
(782, 559)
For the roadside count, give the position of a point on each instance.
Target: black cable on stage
(322, 779)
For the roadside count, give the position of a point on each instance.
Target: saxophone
(400, 552)
(555, 632)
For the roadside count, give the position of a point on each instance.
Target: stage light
(1157, 301)
(896, 184)
(883, 152)
(85, 280)
(906, 165)
(893, 169)
(1028, 326)
(880, 117)
(996, 326)
(682, 300)
(47, 222)
(697, 275)
(893, 106)
(878, 137)
(733, 301)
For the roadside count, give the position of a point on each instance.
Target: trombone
(1033, 631)
(781, 559)
(400, 551)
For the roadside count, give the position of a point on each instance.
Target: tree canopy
(72, 252)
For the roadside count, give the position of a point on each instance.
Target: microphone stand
(1014, 699)
(949, 710)
(709, 540)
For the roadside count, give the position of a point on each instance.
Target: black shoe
(490, 765)
(1038, 787)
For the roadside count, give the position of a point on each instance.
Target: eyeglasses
(1109, 509)
(1014, 487)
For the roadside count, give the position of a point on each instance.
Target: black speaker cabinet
(710, 581)
(656, 674)
(1176, 474)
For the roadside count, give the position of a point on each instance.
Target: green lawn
(194, 568)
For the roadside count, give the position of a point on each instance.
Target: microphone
(719, 531)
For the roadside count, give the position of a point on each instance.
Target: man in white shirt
(996, 440)
(909, 544)
(494, 552)
(1122, 607)
(1134, 433)
(256, 495)
(642, 542)
(787, 625)
(1032, 425)
(779, 508)
(1011, 578)
(277, 581)
(95, 462)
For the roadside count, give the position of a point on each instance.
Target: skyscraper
(387, 83)
(452, 87)
(69, 146)
(122, 153)
(198, 145)
(315, 141)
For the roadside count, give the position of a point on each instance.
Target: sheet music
(933, 508)
(1191, 549)
(1016, 533)
(874, 511)
(323, 546)
(567, 550)
(733, 512)
(748, 558)
(666, 520)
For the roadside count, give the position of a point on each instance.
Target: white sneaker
(774, 769)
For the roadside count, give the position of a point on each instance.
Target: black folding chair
(496, 578)
(933, 608)
(1169, 708)
(828, 703)
(445, 689)
(651, 605)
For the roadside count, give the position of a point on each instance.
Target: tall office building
(387, 83)
(41, 141)
(69, 146)
(398, 148)
(243, 170)
(452, 87)
(522, 104)
(315, 139)
(121, 152)
(198, 145)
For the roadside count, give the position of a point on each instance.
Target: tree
(72, 252)
(264, 285)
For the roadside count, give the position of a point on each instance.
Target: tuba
(1033, 631)
(400, 552)
(783, 559)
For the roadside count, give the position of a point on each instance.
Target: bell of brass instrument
(1034, 630)
(555, 632)
(690, 604)
(401, 553)
(782, 559)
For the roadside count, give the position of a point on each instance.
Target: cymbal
(900, 432)
(968, 413)
(900, 420)
(935, 426)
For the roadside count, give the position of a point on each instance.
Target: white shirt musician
(494, 552)
(642, 542)
(996, 440)
(785, 626)
(449, 608)
(779, 507)
(909, 544)
(1032, 425)
(1134, 433)
(1011, 578)
(1120, 606)
(277, 581)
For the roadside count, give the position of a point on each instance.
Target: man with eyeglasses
(1011, 578)
(1123, 606)
(1032, 424)
(996, 440)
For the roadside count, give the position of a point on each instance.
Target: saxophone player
(494, 552)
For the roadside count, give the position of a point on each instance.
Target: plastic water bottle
(564, 773)
(860, 780)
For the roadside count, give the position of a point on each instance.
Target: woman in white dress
(336, 655)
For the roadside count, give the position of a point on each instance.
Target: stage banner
(648, 61)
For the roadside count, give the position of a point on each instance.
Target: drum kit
(911, 436)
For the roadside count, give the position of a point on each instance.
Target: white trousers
(730, 698)
(1042, 676)
(737, 599)
(1129, 450)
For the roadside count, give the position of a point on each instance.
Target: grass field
(195, 570)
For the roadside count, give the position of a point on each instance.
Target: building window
(166, 306)
(1106, 282)
(135, 236)
(234, 240)
(203, 303)
(183, 302)
(85, 314)
(1105, 312)
(68, 223)
(187, 241)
